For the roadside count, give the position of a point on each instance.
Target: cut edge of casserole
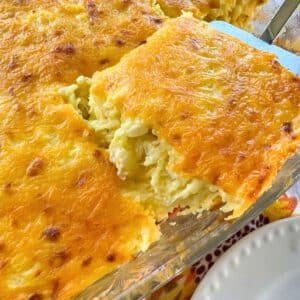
(144, 161)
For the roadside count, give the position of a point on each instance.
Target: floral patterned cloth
(183, 286)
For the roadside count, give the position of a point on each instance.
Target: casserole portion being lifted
(193, 118)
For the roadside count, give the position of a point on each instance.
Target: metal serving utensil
(282, 15)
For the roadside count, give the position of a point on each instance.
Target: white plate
(265, 265)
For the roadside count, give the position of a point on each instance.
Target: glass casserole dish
(187, 238)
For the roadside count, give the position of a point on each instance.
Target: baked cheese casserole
(237, 12)
(90, 163)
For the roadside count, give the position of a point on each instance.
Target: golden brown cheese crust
(237, 12)
(63, 223)
(230, 110)
(65, 39)
(61, 216)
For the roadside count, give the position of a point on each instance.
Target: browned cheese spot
(86, 261)
(26, 78)
(11, 91)
(67, 49)
(195, 44)
(58, 32)
(93, 12)
(51, 233)
(55, 287)
(35, 296)
(214, 4)
(19, 1)
(119, 42)
(104, 61)
(13, 62)
(35, 167)
(2, 245)
(275, 64)
(97, 153)
(59, 258)
(185, 115)
(7, 188)
(176, 138)
(81, 181)
(3, 263)
(111, 257)
(156, 20)
(287, 127)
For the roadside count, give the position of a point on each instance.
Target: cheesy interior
(144, 162)
(237, 12)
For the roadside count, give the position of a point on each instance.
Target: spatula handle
(278, 21)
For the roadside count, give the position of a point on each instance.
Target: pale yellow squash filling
(143, 161)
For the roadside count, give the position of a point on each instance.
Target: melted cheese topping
(65, 39)
(63, 220)
(231, 112)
